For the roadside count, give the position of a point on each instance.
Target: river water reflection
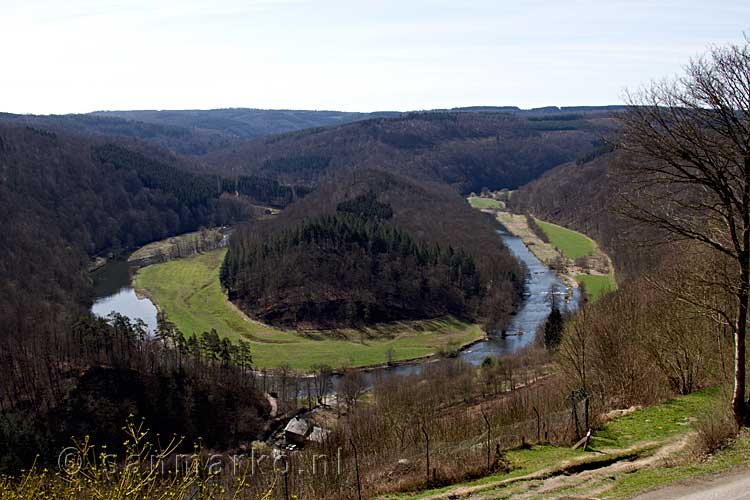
(113, 292)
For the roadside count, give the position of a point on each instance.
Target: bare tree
(687, 151)
(322, 379)
(574, 348)
(683, 342)
(352, 386)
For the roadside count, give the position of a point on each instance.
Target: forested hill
(372, 246)
(198, 132)
(64, 199)
(468, 150)
(585, 196)
(189, 132)
(181, 140)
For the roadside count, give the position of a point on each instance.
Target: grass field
(597, 284)
(188, 290)
(572, 244)
(477, 202)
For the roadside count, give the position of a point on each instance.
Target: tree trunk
(739, 403)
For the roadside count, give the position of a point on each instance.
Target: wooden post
(309, 395)
(286, 478)
(538, 425)
(489, 429)
(586, 411)
(427, 450)
(575, 414)
(584, 441)
(356, 468)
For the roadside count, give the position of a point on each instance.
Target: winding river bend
(532, 314)
(114, 292)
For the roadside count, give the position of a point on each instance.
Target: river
(114, 292)
(534, 309)
(532, 314)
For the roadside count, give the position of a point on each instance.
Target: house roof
(297, 426)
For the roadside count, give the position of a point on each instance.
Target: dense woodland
(372, 247)
(87, 376)
(182, 140)
(194, 132)
(240, 123)
(468, 150)
(198, 132)
(349, 269)
(64, 199)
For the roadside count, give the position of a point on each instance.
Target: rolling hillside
(585, 196)
(243, 123)
(468, 150)
(64, 199)
(189, 132)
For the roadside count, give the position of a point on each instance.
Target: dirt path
(587, 477)
(734, 486)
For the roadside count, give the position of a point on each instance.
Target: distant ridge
(543, 110)
(245, 123)
(467, 149)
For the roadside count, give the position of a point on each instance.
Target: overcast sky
(84, 55)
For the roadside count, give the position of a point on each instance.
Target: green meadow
(597, 285)
(574, 245)
(571, 243)
(477, 202)
(189, 292)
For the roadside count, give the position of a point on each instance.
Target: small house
(296, 431)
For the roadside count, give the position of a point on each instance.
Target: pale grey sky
(61, 56)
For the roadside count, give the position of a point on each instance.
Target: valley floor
(576, 258)
(189, 292)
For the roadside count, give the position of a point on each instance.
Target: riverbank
(575, 258)
(177, 247)
(189, 292)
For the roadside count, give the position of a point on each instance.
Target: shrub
(715, 429)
